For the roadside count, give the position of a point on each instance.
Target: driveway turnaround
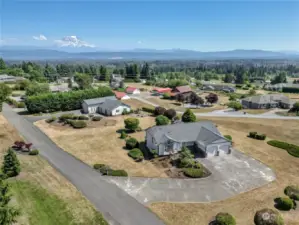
(117, 207)
(231, 175)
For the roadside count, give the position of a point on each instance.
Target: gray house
(8, 78)
(218, 87)
(204, 136)
(267, 102)
(116, 81)
(108, 106)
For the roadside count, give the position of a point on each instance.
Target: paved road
(117, 206)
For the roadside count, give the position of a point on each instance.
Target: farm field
(244, 206)
(43, 194)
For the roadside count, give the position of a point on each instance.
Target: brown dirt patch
(135, 104)
(244, 206)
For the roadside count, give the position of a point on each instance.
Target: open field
(44, 195)
(244, 206)
(135, 104)
(101, 144)
(139, 85)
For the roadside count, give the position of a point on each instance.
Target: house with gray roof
(7, 78)
(267, 102)
(203, 135)
(218, 87)
(108, 106)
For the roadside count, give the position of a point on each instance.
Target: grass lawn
(244, 206)
(44, 196)
(101, 144)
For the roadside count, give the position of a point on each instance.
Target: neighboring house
(8, 78)
(204, 136)
(161, 91)
(121, 95)
(59, 88)
(108, 106)
(218, 87)
(116, 81)
(267, 102)
(280, 86)
(132, 90)
(182, 89)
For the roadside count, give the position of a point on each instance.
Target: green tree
(296, 107)
(11, 165)
(2, 64)
(280, 78)
(5, 91)
(131, 124)
(235, 105)
(35, 89)
(185, 153)
(162, 120)
(228, 78)
(188, 116)
(8, 214)
(83, 80)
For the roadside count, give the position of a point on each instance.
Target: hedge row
(257, 136)
(193, 172)
(72, 100)
(136, 154)
(149, 110)
(15, 103)
(290, 90)
(291, 149)
(106, 170)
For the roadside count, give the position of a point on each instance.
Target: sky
(119, 25)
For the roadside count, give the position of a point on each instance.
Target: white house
(108, 106)
(204, 136)
(121, 95)
(133, 90)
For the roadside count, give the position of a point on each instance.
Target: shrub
(11, 165)
(228, 137)
(239, 85)
(96, 118)
(64, 101)
(98, 166)
(136, 154)
(77, 124)
(81, 117)
(50, 120)
(257, 136)
(126, 112)
(147, 109)
(284, 203)
(65, 117)
(166, 95)
(12, 102)
(34, 152)
(170, 113)
(292, 192)
(193, 172)
(162, 120)
(291, 149)
(131, 143)
(123, 135)
(119, 173)
(21, 105)
(105, 170)
(290, 89)
(268, 217)
(232, 97)
(189, 163)
(159, 111)
(15, 95)
(154, 152)
(131, 124)
(252, 134)
(224, 219)
(188, 116)
(235, 105)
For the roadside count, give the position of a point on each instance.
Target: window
(117, 110)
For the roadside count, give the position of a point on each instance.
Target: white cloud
(40, 37)
(139, 42)
(72, 41)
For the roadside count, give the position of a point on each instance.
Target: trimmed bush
(11, 165)
(119, 173)
(284, 204)
(292, 192)
(189, 163)
(131, 124)
(147, 109)
(64, 101)
(257, 136)
(162, 120)
(97, 118)
(21, 105)
(193, 172)
(170, 113)
(81, 117)
(65, 117)
(105, 170)
(78, 124)
(51, 120)
(159, 110)
(235, 105)
(123, 135)
(224, 219)
(15, 95)
(34, 152)
(98, 166)
(188, 116)
(291, 149)
(228, 137)
(136, 154)
(131, 143)
(268, 217)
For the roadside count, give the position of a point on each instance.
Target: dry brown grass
(135, 104)
(100, 144)
(37, 170)
(244, 206)
(256, 111)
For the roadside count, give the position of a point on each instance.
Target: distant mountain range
(87, 53)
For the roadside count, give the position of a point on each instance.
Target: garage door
(224, 148)
(211, 150)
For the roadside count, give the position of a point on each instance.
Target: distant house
(59, 88)
(8, 78)
(267, 102)
(132, 90)
(182, 89)
(121, 95)
(161, 90)
(204, 136)
(218, 87)
(116, 81)
(108, 106)
(280, 86)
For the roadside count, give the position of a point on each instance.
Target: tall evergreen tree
(188, 116)
(2, 64)
(11, 165)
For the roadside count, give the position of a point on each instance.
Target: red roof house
(132, 90)
(182, 89)
(162, 90)
(121, 95)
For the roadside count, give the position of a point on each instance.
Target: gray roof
(266, 99)
(204, 132)
(112, 104)
(96, 101)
